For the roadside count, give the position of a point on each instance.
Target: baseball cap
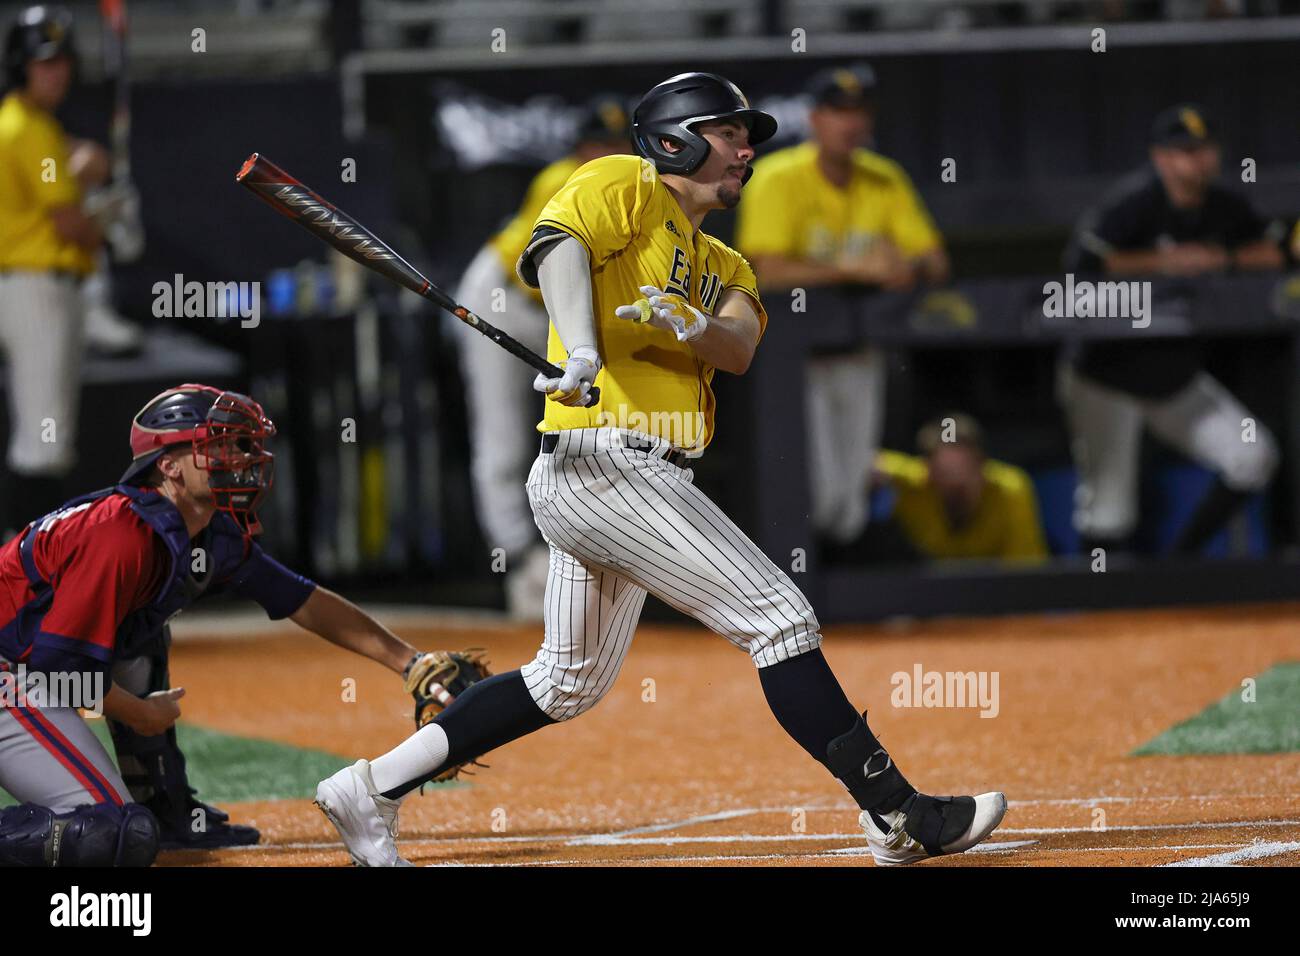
(605, 119)
(1182, 127)
(844, 86)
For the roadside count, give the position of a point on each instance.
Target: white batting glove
(572, 387)
(667, 311)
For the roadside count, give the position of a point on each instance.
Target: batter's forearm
(724, 346)
(731, 338)
(344, 624)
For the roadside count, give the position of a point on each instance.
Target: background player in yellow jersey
(502, 407)
(647, 307)
(47, 247)
(955, 502)
(825, 212)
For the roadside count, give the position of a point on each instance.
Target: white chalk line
(1141, 827)
(1252, 851)
(837, 853)
(1091, 801)
(629, 836)
(689, 821)
(1174, 798)
(572, 840)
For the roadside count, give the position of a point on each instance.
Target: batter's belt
(644, 446)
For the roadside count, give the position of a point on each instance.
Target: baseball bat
(326, 221)
(114, 14)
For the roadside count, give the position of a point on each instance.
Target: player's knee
(1252, 464)
(91, 835)
(564, 693)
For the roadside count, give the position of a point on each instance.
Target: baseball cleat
(366, 820)
(928, 826)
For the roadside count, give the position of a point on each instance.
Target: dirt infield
(702, 775)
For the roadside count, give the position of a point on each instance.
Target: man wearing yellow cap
(829, 212)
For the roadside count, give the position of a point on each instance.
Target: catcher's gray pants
(622, 523)
(503, 408)
(49, 757)
(1203, 421)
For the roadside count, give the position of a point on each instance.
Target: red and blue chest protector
(101, 576)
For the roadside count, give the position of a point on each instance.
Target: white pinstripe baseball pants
(622, 523)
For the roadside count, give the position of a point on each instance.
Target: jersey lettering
(679, 279)
(50, 520)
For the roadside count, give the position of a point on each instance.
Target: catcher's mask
(227, 433)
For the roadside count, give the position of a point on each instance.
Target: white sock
(415, 757)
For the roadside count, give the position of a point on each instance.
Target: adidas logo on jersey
(672, 227)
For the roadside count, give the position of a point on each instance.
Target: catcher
(89, 589)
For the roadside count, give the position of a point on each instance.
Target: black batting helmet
(39, 33)
(676, 106)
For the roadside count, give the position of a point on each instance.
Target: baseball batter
(501, 405)
(88, 591)
(648, 307)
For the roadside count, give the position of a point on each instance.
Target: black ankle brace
(865, 768)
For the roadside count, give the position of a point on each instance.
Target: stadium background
(446, 134)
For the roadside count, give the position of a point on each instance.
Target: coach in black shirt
(1171, 218)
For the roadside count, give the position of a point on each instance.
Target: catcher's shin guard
(866, 769)
(92, 835)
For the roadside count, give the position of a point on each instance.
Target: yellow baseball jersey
(34, 180)
(790, 208)
(510, 242)
(636, 234)
(1005, 525)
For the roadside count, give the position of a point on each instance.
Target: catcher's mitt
(436, 679)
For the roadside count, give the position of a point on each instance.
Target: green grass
(1270, 724)
(225, 768)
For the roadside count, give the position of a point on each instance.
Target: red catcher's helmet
(227, 433)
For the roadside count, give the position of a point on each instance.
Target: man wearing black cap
(829, 211)
(501, 404)
(1170, 218)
